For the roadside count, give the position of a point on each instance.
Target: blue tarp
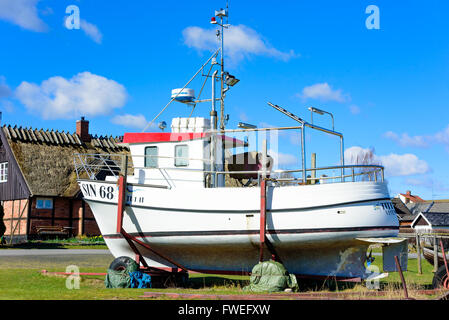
(139, 280)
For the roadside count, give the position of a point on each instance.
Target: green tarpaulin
(121, 278)
(271, 276)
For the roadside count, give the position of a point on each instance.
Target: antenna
(227, 12)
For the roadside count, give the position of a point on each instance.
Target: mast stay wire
(172, 99)
(199, 94)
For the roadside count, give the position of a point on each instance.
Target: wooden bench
(52, 230)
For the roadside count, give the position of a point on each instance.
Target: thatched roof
(46, 158)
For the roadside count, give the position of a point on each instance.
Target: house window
(3, 171)
(151, 157)
(181, 156)
(44, 203)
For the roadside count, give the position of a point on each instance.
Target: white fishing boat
(190, 200)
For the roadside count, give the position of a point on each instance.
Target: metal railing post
(435, 254)
(418, 252)
(303, 154)
(342, 157)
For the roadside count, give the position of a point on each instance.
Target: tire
(440, 279)
(122, 263)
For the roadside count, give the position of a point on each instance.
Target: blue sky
(388, 88)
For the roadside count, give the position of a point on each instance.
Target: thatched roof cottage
(38, 187)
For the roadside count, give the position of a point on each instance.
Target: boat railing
(99, 166)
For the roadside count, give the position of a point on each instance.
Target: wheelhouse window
(3, 172)
(181, 155)
(151, 157)
(44, 203)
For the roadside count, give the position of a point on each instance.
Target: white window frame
(3, 172)
(44, 203)
(181, 164)
(149, 159)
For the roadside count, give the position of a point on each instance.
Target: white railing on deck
(98, 166)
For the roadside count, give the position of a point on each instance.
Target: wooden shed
(38, 183)
(431, 221)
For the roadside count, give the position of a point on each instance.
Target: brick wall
(86, 225)
(90, 225)
(66, 212)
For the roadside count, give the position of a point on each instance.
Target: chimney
(408, 193)
(82, 130)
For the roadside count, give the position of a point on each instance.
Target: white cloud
(405, 140)
(91, 31)
(427, 182)
(354, 109)
(443, 136)
(323, 92)
(84, 94)
(7, 106)
(240, 42)
(5, 91)
(394, 164)
(129, 120)
(23, 13)
(5, 94)
(403, 165)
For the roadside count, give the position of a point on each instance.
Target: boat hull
(218, 230)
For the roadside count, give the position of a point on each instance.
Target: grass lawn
(96, 242)
(30, 284)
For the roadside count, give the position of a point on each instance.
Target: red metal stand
(404, 285)
(132, 240)
(121, 202)
(263, 211)
(263, 224)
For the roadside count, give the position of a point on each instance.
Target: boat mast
(221, 14)
(222, 124)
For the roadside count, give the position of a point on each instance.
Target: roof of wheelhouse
(156, 137)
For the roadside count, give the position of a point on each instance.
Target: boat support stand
(264, 241)
(132, 240)
(263, 224)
